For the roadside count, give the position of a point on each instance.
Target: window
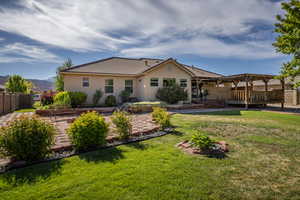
(183, 83)
(85, 82)
(154, 82)
(129, 85)
(167, 82)
(109, 86)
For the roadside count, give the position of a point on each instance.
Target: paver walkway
(140, 123)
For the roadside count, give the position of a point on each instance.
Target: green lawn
(264, 163)
(25, 110)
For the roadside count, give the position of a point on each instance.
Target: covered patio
(239, 89)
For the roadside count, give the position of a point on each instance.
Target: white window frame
(154, 80)
(130, 86)
(183, 81)
(107, 84)
(85, 82)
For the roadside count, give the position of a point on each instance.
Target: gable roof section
(170, 60)
(133, 67)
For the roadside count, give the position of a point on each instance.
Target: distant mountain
(41, 85)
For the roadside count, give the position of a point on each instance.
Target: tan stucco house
(141, 76)
(144, 76)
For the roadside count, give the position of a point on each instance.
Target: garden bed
(142, 127)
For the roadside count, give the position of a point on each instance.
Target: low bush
(172, 94)
(46, 100)
(125, 96)
(27, 138)
(77, 98)
(62, 99)
(144, 106)
(162, 117)
(69, 99)
(201, 141)
(88, 130)
(111, 101)
(97, 96)
(123, 124)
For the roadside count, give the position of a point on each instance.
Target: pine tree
(288, 40)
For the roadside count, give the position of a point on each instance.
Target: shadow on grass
(138, 145)
(216, 155)
(32, 174)
(106, 155)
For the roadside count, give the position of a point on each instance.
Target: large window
(129, 86)
(167, 82)
(183, 83)
(109, 86)
(85, 82)
(154, 82)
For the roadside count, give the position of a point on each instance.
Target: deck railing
(257, 96)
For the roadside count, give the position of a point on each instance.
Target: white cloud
(2, 39)
(19, 52)
(134, 27)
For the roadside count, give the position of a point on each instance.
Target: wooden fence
(10, 102)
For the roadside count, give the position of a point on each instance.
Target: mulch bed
(218, 150)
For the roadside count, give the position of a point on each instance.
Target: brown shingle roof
(130, 66)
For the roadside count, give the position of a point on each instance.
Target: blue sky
(224, 36)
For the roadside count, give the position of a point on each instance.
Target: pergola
(248, 96)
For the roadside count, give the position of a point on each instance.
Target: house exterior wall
(147, 93)
(74, 83)
(141, 85)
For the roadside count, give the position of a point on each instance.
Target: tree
(288, 40)
(16, 83)
(59, 81)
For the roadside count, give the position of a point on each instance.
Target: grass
(263, 163)
(25, 110)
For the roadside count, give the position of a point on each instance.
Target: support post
(266, 91)
(251, 85)
(235, 85)
(247, 94)
(282, 89)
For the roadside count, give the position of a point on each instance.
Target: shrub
(77, 98)
(201, 141)
(46, 100)
(27, 138)
(97, 96)
(172, 94)
(125, 96)
(68, 99)
(162, 117)
(123, 124)
(110, 101)
(62, 99)
(88, 130)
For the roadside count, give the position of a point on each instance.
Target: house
(144, 76)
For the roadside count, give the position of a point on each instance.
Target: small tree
(16, 83)
(288, 40)
(97, 96)
(59, 81)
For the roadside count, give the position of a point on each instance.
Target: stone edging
(65, 154)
